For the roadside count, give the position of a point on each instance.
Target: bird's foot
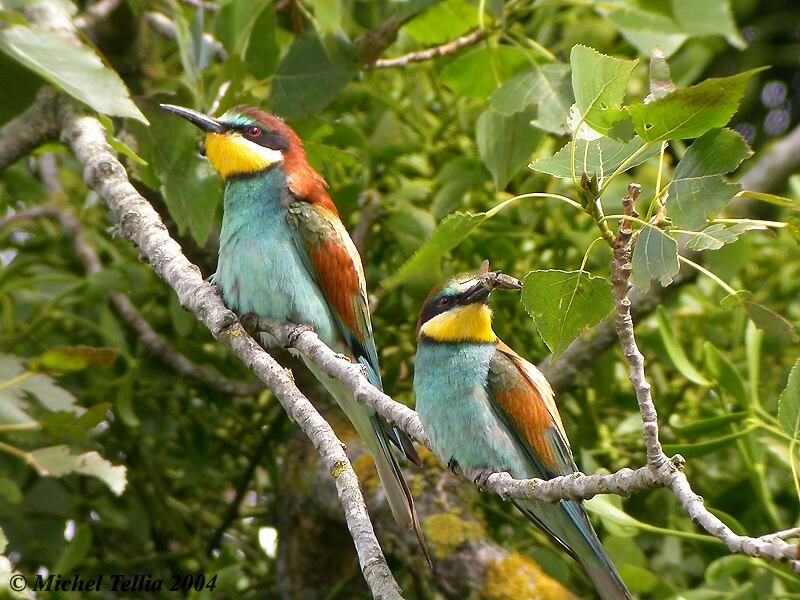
(453, 466)
(250, 323)
(482, 478)
(296, 331)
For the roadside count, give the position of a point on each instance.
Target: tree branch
(447, 49)
(26, 132)
(774, 165)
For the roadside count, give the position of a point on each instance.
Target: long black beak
(486, 284)
(204, 122)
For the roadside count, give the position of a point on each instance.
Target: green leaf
(75, 551)
(675, 351)
(74, 358)
(789, 404)
(50, 395)
(190, 187)
(599, 83)
(655, 256)
(729, 567)
(506, 143)
(10, 491)
(601, 158)
(704, 426)
(309, 79)
(646, 29)
(616, 520)
(77, 70)
(450, 232)
(715, 236)
(710, 17)
(726, 374)
(478, 73)
(691, 112)
(703, 448)
(59, 460)
(768, 320)
(66, 422)
(698, 190)
(262, 52)
(443, 22)
(564, 303)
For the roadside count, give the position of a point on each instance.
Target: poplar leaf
(599, 83)
(789, 404)
(690, 112)
(76, 70)
(564, 303)
(655, 256)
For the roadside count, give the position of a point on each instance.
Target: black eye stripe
(268, 139)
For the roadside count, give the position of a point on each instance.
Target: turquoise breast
(450, 382)
(262, 267)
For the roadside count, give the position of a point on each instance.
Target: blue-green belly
(261, 269)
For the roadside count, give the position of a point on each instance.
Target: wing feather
(525, 401)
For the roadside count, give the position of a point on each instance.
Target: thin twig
(371, 210)
(447, 49)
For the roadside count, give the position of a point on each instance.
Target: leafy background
(145, 466)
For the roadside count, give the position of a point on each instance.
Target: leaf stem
(709, 274)
(26, 456)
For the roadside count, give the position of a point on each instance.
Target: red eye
(254, 131)
(443, 301)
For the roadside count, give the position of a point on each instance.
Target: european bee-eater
(285, 255)
(487, 409)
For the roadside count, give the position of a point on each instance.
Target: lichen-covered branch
(34, 127)
(620, 279)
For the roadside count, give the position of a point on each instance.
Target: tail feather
(569, 528)
(368, 425)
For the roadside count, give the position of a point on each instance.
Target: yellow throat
(231, 154)
(471, 323)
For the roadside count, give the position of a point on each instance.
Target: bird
(486, 409)
(285, 255)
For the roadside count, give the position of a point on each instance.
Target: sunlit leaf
(443, 22)
(75, 69)
(599, 83)
(546, 87)
(599, 157)
(655, 256)
(715, 236)
(691, 112)
(564, 303)
(74, 358)
(478, 73)
(60, 460)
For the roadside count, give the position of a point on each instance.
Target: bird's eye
(254, 131)
(444, 301)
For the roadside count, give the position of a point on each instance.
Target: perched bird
(486, 409)
(285, 255)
